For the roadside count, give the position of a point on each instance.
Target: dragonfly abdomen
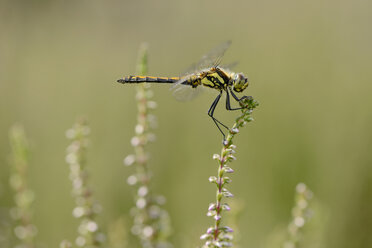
(147, 79)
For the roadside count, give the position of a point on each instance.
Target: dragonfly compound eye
(240, 82)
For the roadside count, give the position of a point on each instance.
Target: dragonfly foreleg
(211, 112)
(228, 105)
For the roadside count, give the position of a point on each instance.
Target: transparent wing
(185, 93)
(213, 58)
(230, 66)
(210, 59)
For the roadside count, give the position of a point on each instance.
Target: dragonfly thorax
(240, 82)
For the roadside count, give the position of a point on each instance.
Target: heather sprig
(21, 213)
(218, 235)
(301, 213)
(151, 222)
(86, 208)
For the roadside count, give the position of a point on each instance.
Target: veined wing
(208, 60)
(184, 92)
(213, 58)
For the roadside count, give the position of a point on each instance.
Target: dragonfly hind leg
(211, 112)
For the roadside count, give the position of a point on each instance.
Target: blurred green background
(309, 64)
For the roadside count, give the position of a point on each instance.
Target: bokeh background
(309, 64)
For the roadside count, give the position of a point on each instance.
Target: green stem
(217, 236)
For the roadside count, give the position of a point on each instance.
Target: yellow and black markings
(149, 79)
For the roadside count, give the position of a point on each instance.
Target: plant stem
(151, 223)
(86, 209)
(220, 236)
(24, 230)
(301, 213)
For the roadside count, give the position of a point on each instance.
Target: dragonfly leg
(228, 105)
(211, 112)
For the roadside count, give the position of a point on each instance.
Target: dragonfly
(206, 73)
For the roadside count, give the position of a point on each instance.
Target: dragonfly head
(240, 82)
